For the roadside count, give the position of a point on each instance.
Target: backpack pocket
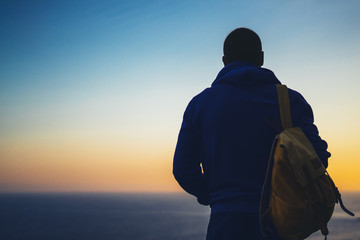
(289, 218)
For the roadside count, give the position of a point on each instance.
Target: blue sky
(123, 71)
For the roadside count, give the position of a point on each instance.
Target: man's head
(243, 44)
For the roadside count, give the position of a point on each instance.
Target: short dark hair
(242, 44)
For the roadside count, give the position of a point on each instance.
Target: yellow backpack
(298, 195)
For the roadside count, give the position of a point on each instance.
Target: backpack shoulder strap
(284, 105)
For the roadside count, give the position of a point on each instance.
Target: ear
(225, 61)
(261, 59)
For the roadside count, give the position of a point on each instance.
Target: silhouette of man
(225, 138)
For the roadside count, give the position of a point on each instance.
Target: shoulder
(300, 108)
(296, 97)
(200, 97)
(195, 102)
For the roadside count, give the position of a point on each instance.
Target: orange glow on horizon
(119, 166)
(86, 167)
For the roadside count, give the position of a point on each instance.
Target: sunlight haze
(92, 92)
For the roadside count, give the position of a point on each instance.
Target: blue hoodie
(228, 129)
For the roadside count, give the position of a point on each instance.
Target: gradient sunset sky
(92, 92)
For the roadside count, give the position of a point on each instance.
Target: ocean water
(128, 217)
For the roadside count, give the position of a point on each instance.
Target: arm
(186, 165)
(306, 123)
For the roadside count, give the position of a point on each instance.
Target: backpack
(298, 196)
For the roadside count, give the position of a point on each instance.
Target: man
(226, 137)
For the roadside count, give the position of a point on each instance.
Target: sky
(92, 93)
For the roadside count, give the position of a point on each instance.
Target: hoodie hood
(245, 74)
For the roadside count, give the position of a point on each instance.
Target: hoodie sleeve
(186, 165)
(306, 123)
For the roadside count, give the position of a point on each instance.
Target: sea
(128, 216)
